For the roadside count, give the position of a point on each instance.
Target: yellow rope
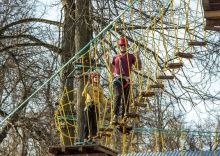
(61, 112)
(156, 141)
(200, 145)
(162, 141)
(182, 142)
(215, 143)
(124, 136)
(152, 42)
(131, 142)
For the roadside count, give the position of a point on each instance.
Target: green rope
(84, 66)
(67, 117)
(68, 62)
(177, 132)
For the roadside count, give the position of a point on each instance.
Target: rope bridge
(166, 36)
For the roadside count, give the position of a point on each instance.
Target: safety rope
(149, 43)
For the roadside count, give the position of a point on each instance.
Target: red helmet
(94, 74)
(122, 41)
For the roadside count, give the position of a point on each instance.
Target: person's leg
(125, 98)
(126, 104)
(94, 122)
(117, 91)
(87, 117)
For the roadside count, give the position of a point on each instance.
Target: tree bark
(67, 80)
(82, 37)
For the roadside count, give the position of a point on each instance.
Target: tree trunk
(82, 37)
(67, 85)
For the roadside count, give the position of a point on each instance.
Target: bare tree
(33, 49)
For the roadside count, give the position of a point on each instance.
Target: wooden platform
(164, 77)
(103, 134)
(82, 150)
(184, 55)
(138, 105)
(132, 115)
(148, 94)
(212, 24)
(214, 28)
(211, 4)
(106, 129)
(156, 86)
(174, 65)
(212, 14)
(197, 43)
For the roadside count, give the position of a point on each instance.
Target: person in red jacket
(121, 68)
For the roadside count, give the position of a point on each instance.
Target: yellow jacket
(95, 94)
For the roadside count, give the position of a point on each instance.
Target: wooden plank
(212, 14)
(213, 1)
(93, 154)
(205, 4)
(105, 134)
(93, 149)
(215, 6)
(184, 55)
(169, 77)
(174, 65)
(156, 86)
(212, 28)
(197, 43)
(107, 151)
(131, 115)
(212, 22)
(106, 129)
(95, 137)
(138, 105)
(210, 5)
(123, 129)
(148, 94)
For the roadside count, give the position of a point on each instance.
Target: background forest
(42, 42)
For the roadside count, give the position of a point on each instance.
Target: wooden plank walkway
(82, 150)
(212, 14)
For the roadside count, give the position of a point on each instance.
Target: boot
(115, 120)
(127, 124)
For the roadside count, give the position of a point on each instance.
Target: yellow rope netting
(152, 40)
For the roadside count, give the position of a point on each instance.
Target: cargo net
(166, 37)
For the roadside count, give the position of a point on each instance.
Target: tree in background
(33, 49)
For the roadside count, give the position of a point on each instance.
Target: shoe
(128, 126)
(86, 143)
(93, 142)
(115, 120)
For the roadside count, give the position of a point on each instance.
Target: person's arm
(85, 90)
(102, 98)
(138, 63)
(110, 66)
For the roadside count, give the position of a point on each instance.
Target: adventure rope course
(161, 64)
(161, 40)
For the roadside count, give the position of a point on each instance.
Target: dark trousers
(90, 127)
(121, 91)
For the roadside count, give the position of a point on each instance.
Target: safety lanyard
(120, 64)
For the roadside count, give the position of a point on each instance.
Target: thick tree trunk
(68, 47)
(82, 37)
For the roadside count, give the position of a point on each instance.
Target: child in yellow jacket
(94, 95)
